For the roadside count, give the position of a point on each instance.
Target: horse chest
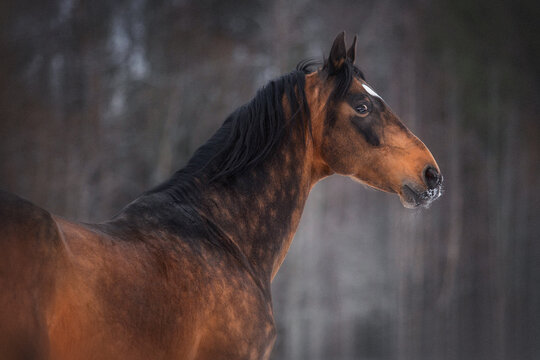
(237, 321)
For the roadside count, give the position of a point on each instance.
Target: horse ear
(351, 53)
(337, 54)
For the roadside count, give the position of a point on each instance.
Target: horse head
(356, 134)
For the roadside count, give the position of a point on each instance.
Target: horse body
(184, 271)
(148, 284)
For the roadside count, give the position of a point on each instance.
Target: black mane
(248, 135)
(253, 130)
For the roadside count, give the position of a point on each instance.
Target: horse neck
(259, 210)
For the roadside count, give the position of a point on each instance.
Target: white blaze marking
(371, 91)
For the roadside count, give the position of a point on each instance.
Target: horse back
(29, 247)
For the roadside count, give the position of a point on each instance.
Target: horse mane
(253, 130)
(248, 135)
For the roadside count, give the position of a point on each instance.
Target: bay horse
(184, 271)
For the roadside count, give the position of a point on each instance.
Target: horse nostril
(432, 178)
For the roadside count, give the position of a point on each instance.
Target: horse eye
(362, 109)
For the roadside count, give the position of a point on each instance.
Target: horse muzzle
(413, 195)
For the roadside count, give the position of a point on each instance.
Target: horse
(184, 271)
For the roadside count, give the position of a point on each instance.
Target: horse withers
(184, 271)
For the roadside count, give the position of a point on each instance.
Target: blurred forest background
(101, 100)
